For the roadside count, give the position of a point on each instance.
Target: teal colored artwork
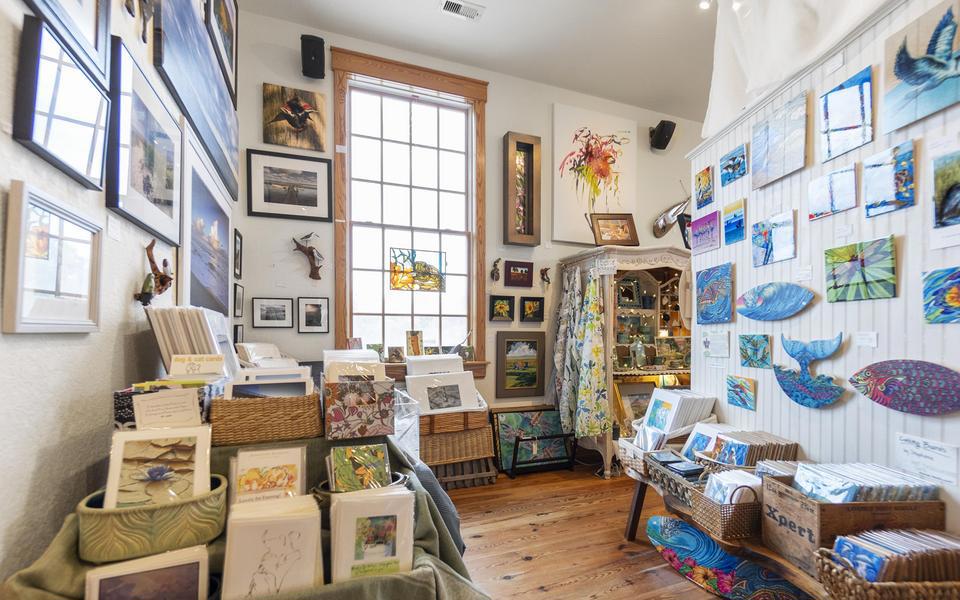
(658, 414)
(888, 180)
(732, 453)
(801, 386)
(861, 271)
(742, 392)
(527, 424)
(714, 294)
(941, 295)
(773, 301)
(733, 165)
(755, 351)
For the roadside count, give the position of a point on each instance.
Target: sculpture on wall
(801, 386)
(495, 271)
(545, 275)
(313, 255)
(773, 301)
(915, 387)
(157, 281)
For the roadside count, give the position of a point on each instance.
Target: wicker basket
(467, 474)
(842, 581)
(631, 456)
(253, 420)
(735, 521)
(456, 421)
(671, 483)
(446, 448)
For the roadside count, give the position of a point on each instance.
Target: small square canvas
(846, 116)
(501, 308)
(714, 294)
(861, 271)
(832, 193)
(779, 142)
(734, 222)
(706, 233)
(888, 180)
(733, 165)
(704, 187)
(742, 392)
(946, 190)
(356, 409)
(755, 351)
(773, 239)
(941, 295)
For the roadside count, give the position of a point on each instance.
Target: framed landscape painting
(288, 186)
(272, 312)
(520, 363)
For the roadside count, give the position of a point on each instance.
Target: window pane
(453, 213)
(367, 328)
(364, 113)
(396, 163)
(424, 208)
(425, 240)
(396, 330)
(454, 298)
(367, 291)
(425, 167)
(430, 326)
(366, 248)
(396, 119)
(394, 238)
(452, 171)
(396, 205)
(365, 201)
(453, 129)
(456, 248)
(424, 120)
(395, 301)
(454, 330)
(364, 158)
(426, 303)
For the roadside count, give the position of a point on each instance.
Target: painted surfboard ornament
(693, 554)
(801, 386)
(773, 301)
(916, 387)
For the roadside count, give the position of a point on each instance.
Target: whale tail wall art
(801, 386)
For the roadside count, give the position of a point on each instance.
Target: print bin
(238, 421)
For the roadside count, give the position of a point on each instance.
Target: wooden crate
(466, 474)
(796, 526)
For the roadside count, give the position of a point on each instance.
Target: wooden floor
(559, 535)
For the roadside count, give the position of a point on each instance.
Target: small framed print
(531, 309)
(237, 254)
(518, 273)
(238, 334)
(288, 186)
(178, 574)
(501, 308)
(520, 363)
(272, 313)
(237, 301)
(614, 229)
(314, 315)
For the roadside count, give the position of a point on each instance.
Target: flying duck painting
(293, 117)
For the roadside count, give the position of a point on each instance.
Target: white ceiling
(657, 54)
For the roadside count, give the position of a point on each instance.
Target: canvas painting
(715, 294)
(444, 396)
(522, 368)
(156, 471)
(941, 295)
(755, 351)
(888, 180)
(846, 116)
(356, 409)
(773, 239)
(177, 581)
(221, 19)
(918, 63)
(705, 233)
(742, 392)
(501, 308)
(417, 270)
(832, 193)
(594, 158)
(861, 271)
(734, 222)
(294, 118)
(531, 309)
(359, 467)
(733, 165)
(779, 143)
(946, 190)
(209, 246)
(527, 424)
(703, 184)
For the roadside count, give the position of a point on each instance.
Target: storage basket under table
(458, 446)
(456, 421)
(466, 474)
(671, 483)
(841, 581)
(238, 421)
(734, 521)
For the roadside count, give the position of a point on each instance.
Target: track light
(704, 5)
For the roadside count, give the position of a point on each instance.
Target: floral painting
(529, 424)
(846, 115)
(742, 392)
(417, 270)
(156, 471)
(779, 142)
(359, 467)
(941, 295)
(714, 294)
(356, 409)
(272, 478)
(705, 233)
(755, 351)
(773, 239)
(733, 165)
(861, 271)
(834, 192)
(501, 308)
(888, 180)
(703, 185)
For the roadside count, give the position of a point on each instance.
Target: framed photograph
(314, 315)
(221, 19)
(614, 229)
(177, 574)
(60, 112)
(143, 151)
(237, 254)
(84, 26)
(294, 118)
(443, 392)
(288, 186)
(520, 363)
(273, 312)
(188, 65)
(521, 189)
(414, 342)
(237, 301)
(501, 308)
(238, 334)
(52, 266)
(518, 273)
(531, 309)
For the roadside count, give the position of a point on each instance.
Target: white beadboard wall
(855, 428)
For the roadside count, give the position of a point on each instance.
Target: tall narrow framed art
(521, 189)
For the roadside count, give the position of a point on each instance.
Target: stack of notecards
(703, 438)
(726, 487)
(356, 409)
(689, 470)
(181, 574)
(670, 410)
(372, 532)
(902, 555)
(353, 468)
(856, 482)
(268, 474)
(777, 468)
(273, 547)
(745, 448)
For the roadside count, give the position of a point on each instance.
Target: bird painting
(928, 71)
(295, 113)
(294, 117)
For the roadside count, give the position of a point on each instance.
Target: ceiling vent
(468, 11)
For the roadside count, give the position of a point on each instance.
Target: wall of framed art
(833, 232)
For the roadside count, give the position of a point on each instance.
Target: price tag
(805, 274)
(865, 339)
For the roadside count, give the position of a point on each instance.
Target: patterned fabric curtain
(593, 417)
(566, 354)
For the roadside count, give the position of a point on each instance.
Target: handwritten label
(930, 459)
(865, 339)
(196, 364)
(167, 408)
(805, 274)
(716, 345)
(607, 266)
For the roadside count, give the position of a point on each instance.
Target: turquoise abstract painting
(714, 294)
(941, 295)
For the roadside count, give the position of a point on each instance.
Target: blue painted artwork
(773, 301)
(659, 413)
(733, 165)
(888, 180)
(742, 392)
(732, 453)
(714, 294)
(941, 295)
(755, 351)
(698, 443)
(866, 563)
(734, 222)
(773, 239)
(801, 386)
(846, 116)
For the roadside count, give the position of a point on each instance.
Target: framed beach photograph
(237, 301)
(294, 118)
(520, 363)
(288, 186)
(221, 19)
(531, 309)
(501, 308)
(314, 315)
(272, 312)
(178, 574)
(614, 229)
(237, 254)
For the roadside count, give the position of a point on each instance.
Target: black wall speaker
(311, 53)
(661, 134)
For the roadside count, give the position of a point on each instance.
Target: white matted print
(314, 315)
(608, 183)
(289, 186)
(179, 574)
(272, 312)
(443, 392)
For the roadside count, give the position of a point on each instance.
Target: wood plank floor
(559, 535)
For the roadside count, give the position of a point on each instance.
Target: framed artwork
(294, 118)
(501, 308)
(773, 239)
(703, 186)
(593, 168)
(51, 279)
(832, 193)
(61, 112)
(518, 273)
(221, 19)
(755, 351)
(742, 392)
(846, 116)
(521, 189)
(143, 151)
(395, 354)
(238, 334)
(946, 196)
(628, 293)
(941, 295)
(861, 271)
(888, 180)
(415, 342)
(705, 233)
(520, 364)
(614, 229)
(531, 309)
(189, 67)
(733, 165)
(715, 294)
(177, 574)
(84, 27)
(779, 142)
(237, 301)
(289, 186)
(237, 254)
(734, 222)
(417, 270)
(275, 313)
(548, 448)
(314, 315)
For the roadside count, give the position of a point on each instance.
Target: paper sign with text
(196, 364)
(930, 459)
(167, 408)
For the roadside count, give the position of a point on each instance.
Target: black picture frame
(537, 315)
(208, 17)
(326, 165)
(302, 325)
(238, 334)
(493, 316)
(237, 254)
(94, 57)
(237, 301)
(255, 316)
(517, 273)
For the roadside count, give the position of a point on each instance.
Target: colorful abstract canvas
(755, 351)
(734, 222)
(888, 180)
(834, 192)
(779, 142)
(356, 409)
(529, 424)
(916, 387)
(846, 116)
(946, 190)
(714, 294)
(705, 233)
(861, 271)
(802, 386)
(355, 468)
(659, 414)
(773, 301)
(941, 295)
(919, 76)
(742, 392)
(733, 165)
(773, 239)
(704, 187)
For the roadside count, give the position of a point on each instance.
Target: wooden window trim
(346, 63)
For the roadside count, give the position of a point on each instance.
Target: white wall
(855, 428)
(270, 51)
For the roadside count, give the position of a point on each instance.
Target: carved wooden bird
(545, 275)
(296, 113)
(495, 271)
(313, 255)
(146, 13)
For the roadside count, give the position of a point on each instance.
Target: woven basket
(728, 521)
(446, 448)
(841, 581)
(671, 483)
(467, 474)
(455, 421)
(632, 457)
(253, 420)
(711, 465)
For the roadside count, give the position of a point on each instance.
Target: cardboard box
(795, 525)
